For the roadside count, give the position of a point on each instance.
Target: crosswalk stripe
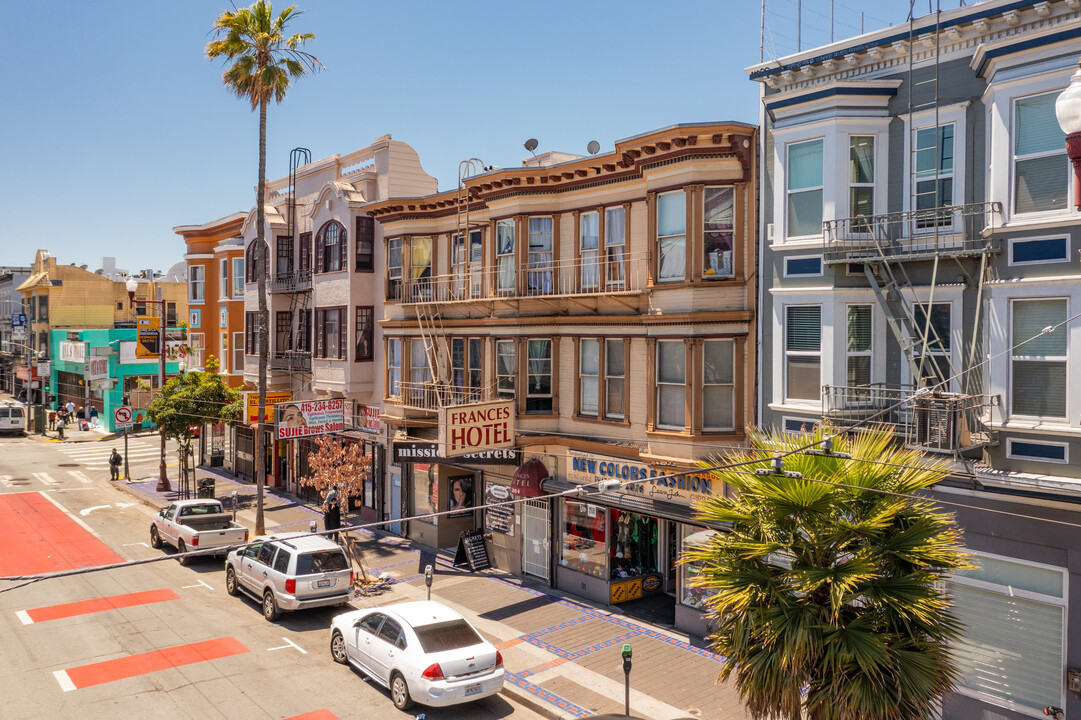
(46, 478)
(80, 476)
(6, 480)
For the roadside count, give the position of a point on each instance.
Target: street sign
(44, 368)
(18, 320)
(122, 416)
(148, 340)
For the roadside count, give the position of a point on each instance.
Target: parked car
(196, 525)
(12, 418)
(293, 571)
(421, 651)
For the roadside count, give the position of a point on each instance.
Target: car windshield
(451, 635)
(320, 562)
(208, 509)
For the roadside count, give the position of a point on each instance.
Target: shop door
(245, 452)
(536, 526)
(395, 499)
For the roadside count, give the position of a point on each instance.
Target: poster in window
(499, 518)
(460, 495)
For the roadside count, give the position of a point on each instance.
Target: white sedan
(422, 651)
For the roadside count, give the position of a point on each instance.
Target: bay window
(671, 384)
(394, 367)
(505, 368)
(804, 185)
(1038, 366)
(238, 277)
(1041, 171)
(539, 377)
(717, 232)
(672, 236)
(394, 269)
(541, 255)
(615, 240)
(718, 385)
(420, 267)
(330, 333)
(196, 283)
(504, 256)
(589, 354)
(589, 241)
(861, 178)
(803, 352)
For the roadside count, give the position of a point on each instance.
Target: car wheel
(230, 580)
(181, 548)
(337, 648)
(270, 608)
(155, 539)
(399, 692)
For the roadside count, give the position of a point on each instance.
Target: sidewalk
(562, 654)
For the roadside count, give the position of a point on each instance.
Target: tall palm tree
(826, 596)
(261, 61)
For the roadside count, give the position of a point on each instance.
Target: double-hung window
(718, 385)
(420, 267)
(365, 244)
(505, 368)
(803, 352)
(541, 255)
(589, 242)
(804, 185)
(615, 373)
(539, 377)
(238, 351)
(615, 240)
(304, 331)
(671, 384)
(936, 361)
(365, 329)
(394, 269)
(466, 372)
(467, 264)
(256, 261)
(238, 277)
(283, 331)
(932, 180)
(330, 247)
(672, 236)
(589, 356)
(223, 279)
(330, 333)
(394, 367)
(717, 232)
(284, 256)
(420, 374)
(504, 256)
(861, 180)
(601, 374)
(304, 263)
(1041, 172)
(196, 284)
(858, 346)
(251, 333)
(1038, 369)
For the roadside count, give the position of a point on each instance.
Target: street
(156, 640)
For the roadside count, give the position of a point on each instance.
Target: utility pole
(163, 479)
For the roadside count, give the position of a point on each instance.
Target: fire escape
(295, 280)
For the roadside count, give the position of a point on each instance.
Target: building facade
(12, 331)
(918, 270)
(606, 303)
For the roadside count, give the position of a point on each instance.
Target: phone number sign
(303, 419)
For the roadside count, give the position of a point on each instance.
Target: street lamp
(1068, 111)
(132, 285)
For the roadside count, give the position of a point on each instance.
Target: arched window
(250, 262)
(330, 247)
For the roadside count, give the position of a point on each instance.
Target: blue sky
(116, 127)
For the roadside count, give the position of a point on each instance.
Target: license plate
(324, 583)
(473, 689)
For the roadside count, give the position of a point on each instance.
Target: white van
(13, 418)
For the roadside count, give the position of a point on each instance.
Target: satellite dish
(531, 144)
(593, 147)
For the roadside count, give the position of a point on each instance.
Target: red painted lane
(153, 661)
(317, 715)
(115, 602)
(38, 537)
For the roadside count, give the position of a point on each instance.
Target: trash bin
(205, 488)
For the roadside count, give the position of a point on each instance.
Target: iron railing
(431, 396)
(929, 420)
(291, 282)
(291, 361)
(950, 231)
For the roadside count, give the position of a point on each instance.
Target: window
(936, 364)
(803, 352)
(804, 183)
(285, 256)
(717, 232)
(365, 244)
(671, 384)
(420, 373)
(615, 373)
(861, 179)
(330, 247)
(466, 368)
(238, 352)
(672, 235)
(933, 177)
(223, 279)
(420, 267)
(585, 534)
(615, 239)
(196, 277)
(251, 330)
(195, 318)
(504, 256)
(589, 241)
(238, 277)
(195, 342)
(540, 255)
(1039, 251)
(305, 252)
(1039, 451)
(1041, 171)
(394, 269)
(330, 333)
(394, 367)
(43, 308)
(283, 331)
(796, 426)
(858, 346)
(803, 266)
(223, 317)
(467, 264)
(1013, 615)
(718, 385)
(140, 308)
(589, 355)
(281, 562)
(253, 264)
(444, 636)
(505, 368)
(223, 353)
(170, 314)
(1039, 365)
(304, 331)
(539, 377)
(365, 329)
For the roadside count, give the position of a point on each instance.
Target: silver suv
(293, 571)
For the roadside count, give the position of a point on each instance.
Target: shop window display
(689, 595)
(585, 535)
(634, 545)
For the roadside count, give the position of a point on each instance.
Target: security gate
(536, 529)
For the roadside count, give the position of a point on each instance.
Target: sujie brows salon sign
(427, 452)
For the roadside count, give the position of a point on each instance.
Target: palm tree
(826, 596)
(261, 63)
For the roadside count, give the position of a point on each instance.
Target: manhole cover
(68, 465)
(19, 481)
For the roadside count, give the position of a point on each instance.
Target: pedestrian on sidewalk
(60, 427)
(114, 465)
(52, 419)
(70, 407)
(93, 416)
(332, 516)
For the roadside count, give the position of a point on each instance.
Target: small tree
(189, 400)
(826, 599)
(342, 465)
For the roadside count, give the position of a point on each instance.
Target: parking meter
(627, 676)
(313, 527)
(235, 501)
(428, 579)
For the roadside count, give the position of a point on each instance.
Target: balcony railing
(951, 231)
(292, 282)
(625, 275)
(291, 361)
(928, 420)
(430, 396)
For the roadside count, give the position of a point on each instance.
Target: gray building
(919, 268)
(11, 339)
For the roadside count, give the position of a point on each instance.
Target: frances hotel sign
(465, 429)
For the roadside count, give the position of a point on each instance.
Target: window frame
(541, 272)
(321, 317)
(323, 243)
(707, 273)
(196, 280)
(660, 384)
(506, 262)
(238, 277)
(869, 353)
(395, 269)
(393, 381)
(251, 333)
(733, 345)
(365, 238)
(788, 274)
(595, 281)
(789, 191)
(1011, 454)
(596, 376)
(1014, 158)
(361, 312)
(1049, 359)
(251, 266)
(284, 255)
(671, 237)
(223, 279)
(1014, 241)
(852, 184)
(788, 399)
(608, 261)
(501, 392)
(283, 327)
(540, 397)
(238, 347)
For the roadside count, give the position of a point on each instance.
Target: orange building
(215, 260)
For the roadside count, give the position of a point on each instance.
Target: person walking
(114, 465)
(60, 427)
(92, 415)
(52, 420)
(80, 418)
(332, 515)
(70, 407)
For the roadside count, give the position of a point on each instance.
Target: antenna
(593, 147)
(531, 145)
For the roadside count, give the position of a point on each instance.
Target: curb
(541, 707)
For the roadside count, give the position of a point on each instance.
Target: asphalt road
(98, 660)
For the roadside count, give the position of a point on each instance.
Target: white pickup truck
(196, 525)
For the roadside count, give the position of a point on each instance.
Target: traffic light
(47, 388)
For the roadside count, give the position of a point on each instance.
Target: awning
(528, 478)
(630, 503)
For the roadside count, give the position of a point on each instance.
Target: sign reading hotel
(147, 337)
(311, 417)
(251, 402)
(465, 429)
(642, 480)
